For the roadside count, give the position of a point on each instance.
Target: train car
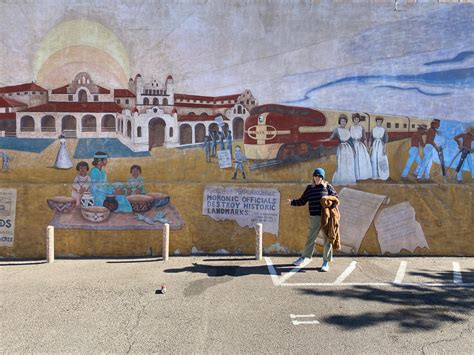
(294, 133)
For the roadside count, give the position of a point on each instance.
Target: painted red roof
(76, 107)
(63, 90)
(123, 93)
(21, 87)
(195, 105)
(205, 98)
(6, 102)
(7, 116)
(199, 118)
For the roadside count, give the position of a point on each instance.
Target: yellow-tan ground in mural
(444, 210)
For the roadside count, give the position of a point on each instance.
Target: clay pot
(140, 203)
(61, 204)
(110, 203)
(87, 200)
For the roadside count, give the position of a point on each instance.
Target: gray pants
(313, 231)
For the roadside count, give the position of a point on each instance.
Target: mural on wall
(97, 97)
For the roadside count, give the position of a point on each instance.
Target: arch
(82, 95)
(238, 128)
(156, 102)
(108, 123)
(156, 132)
(213, 127)
(185, 134)
(129, 129)
(239, 109)
(69, 126)
(48, 124)
(89, 123)
(146, 101)
(191, 113)
(27, 124)
(139, 131)
(165, 102)
(199, 132)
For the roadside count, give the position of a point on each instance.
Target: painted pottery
(159, 199)
(95, 214)
(87, 200)
(111, 203)
(140, 203)
(61, 204)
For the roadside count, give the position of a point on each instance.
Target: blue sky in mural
(430, 79)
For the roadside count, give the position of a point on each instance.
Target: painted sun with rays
(81, 45)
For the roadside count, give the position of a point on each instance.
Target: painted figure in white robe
(345, 169)
(62, 158)
(380, 169)
(362, 164)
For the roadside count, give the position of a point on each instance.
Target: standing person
(62, 158)
(207, 148)
(414, 151)
(464, 141)
(221, 140)
(363, 167)
(214, 138)
(6, 161)
(345, 169)
(228, 139)
(82, 182)
(239, 158)
(380, 169)
(99, 178)
(429, 151)
(312, 195)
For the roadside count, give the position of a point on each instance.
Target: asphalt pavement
(238, 305)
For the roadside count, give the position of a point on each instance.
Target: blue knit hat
(320, 172)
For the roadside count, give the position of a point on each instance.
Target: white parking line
(457, 276)
(302, 322)
(346, 273)
(400, 273)
(398, 282)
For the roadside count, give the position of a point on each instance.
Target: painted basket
(159, 199)
(61, 204)
(140, 203)
(95, 214)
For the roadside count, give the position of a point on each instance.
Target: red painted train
(283, 132)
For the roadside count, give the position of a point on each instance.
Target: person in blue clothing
(214, 138)
(312, 195)
(228, 139)
(207, 147)
(239, 158)
(99, 178)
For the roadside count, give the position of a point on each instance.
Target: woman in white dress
(345, 171)
(62, 159)
(379, 151)
(363, 167)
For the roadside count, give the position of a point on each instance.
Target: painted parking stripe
(346, 273)
(401, 272)
(457, 276)
(303, 322)
(277, 281)
(293, 316)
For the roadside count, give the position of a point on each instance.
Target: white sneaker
(325, 266)
(300, 261)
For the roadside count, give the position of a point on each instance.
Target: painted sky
(361, 56)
